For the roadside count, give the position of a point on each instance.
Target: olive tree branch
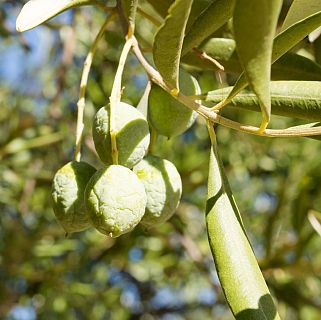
(83, 85)
(212, 115)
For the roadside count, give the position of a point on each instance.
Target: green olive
(132, 135)
(163, 188)
(115, 199)
(168, 116)
(68, 189)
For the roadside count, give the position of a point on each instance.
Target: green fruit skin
(68, 189)
(168, 116)
(132, 135)
(115, 199)
(163, 186)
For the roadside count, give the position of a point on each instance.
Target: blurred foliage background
(162, 273)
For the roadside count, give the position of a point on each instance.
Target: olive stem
(83, 85)
(115, 97)
(211, 132)
(153, 138)
(212, 115)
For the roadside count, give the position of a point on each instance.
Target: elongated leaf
(317, 49)
(282, 43)
(254, 28)
(169, 40)
(240, 276)
(129, 9)
(296, 99)
(289, 67)
(143, 102)
(299, 10)
(197, 8)
(161, 7)
(35, 12)
(211, 19)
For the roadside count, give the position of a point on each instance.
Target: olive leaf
(169, 40)
(299, 10)
(254, 28)
(317, 49)
(242, 281)
(129, 9)
(197, 9)
(289, 67)
(143, 102)
(283, 42)
(211, 19)
(297, 99)
(161, 7)
(35, 12)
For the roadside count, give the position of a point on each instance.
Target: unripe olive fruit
(115, 199)
(68, 189)
(163, 188)
(132, 134)
(168, 116)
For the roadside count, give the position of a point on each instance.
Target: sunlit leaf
(169, 40)
(254, 29)
(242, 281)
(35, 12)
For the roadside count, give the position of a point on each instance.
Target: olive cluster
(140, 188)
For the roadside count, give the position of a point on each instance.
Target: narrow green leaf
(317, 49)
(143, 102)
(129, 9)
(35, 12)
(289, 67)
(197, 8)
(295, 99)
(21, 144)
(161, 7)
(254, 28)
(299, 10)
(283, 42)
(211, 19)
(242, 281)
(169, 40)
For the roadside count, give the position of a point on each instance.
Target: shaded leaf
(161, 7)
(300, 10)
(283, 42)
(289, 67)
(169, 40)
(254, 28)
(296, 99)
(211, 19)
(129, 9)
(35, 12)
